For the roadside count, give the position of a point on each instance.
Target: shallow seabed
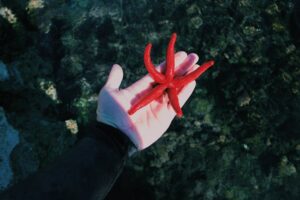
(239, 138)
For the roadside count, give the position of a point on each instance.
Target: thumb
(115, 77)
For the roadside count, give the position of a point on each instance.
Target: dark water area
(239, 138)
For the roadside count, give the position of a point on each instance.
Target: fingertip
(115, 77)
(180, 54)
(116, 67)
(180, 58)
(194, 56)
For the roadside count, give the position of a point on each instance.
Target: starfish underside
(167, 81)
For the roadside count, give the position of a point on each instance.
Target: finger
(115, 77)
(185, 66)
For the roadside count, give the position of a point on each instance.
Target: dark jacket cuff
(102, 131)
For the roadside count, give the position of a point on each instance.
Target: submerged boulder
(3, 72)
(9, 138)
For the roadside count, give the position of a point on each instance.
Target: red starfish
(167, 81)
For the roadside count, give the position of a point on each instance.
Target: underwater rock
(3, 72)
(9, 138)
(24, 160)
(8, 14)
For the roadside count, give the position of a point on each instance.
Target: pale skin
(149, 123)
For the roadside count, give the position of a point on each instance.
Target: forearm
(88, 171)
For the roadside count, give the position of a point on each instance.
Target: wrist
(128, 130)
(116, 135)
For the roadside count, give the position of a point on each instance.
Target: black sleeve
(88, 171)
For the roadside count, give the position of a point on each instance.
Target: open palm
(150, 122)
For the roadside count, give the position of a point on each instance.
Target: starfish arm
(170, 61)
(157, 77)
(181, 81)
(173, 97)
(155, 93)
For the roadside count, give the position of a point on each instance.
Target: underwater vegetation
(240, 136)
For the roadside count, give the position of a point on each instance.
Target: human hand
(150, 122)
